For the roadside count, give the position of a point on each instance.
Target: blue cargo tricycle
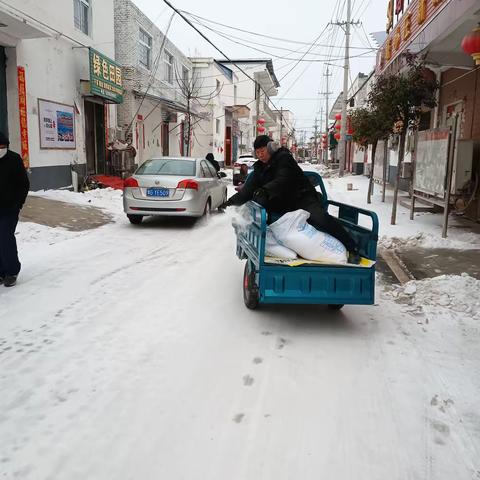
(332, 285)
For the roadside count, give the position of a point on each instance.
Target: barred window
(81, 14)
(145, 49)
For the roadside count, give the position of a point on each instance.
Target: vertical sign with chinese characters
(105, 77)
(22, 109)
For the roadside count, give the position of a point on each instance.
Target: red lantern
(338, 116)
(261, 121)
(337, 136)
(338, 126)
(471, 44)
(260, 129)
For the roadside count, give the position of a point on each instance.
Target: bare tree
(197, 98)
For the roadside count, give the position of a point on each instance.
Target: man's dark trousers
(9, 263)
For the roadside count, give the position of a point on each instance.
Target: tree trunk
(401, 155)
(188, 127)
(384, 173)
(370, 183)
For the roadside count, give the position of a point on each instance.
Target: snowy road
(127, 353)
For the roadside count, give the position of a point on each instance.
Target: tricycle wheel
(335, 306)
(250, 289)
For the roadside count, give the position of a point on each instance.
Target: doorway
(95, 137)
(3, 93)
(165, 139)
(228, 146)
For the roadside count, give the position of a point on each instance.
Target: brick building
(435, 28)
(154, 102)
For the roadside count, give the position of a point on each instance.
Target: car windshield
(166, 166)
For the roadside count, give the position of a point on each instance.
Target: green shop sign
(105, 77)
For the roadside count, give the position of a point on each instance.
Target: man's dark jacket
(282, 180)
(14, 183)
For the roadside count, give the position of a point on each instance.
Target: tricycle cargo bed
(320, 284)
(267, 283)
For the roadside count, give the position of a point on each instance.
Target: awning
(239, 111)
(168, 104)
(13, 27)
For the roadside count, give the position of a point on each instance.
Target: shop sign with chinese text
(105, 77)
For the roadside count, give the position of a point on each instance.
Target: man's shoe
(10, 281)
(354, 258)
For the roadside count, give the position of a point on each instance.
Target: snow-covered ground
(127, 353)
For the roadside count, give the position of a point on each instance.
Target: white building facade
(154, 109)
(47, 106)
(254, 95)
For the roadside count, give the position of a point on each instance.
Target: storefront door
(95, 137)
(3, 94)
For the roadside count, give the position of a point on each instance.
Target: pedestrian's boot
(10, 281)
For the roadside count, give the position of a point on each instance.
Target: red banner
(22, 109)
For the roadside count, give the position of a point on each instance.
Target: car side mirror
(221, 174)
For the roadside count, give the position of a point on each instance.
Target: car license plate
(158, 192)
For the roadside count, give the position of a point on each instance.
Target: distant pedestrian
(212, 160)
(14, 186)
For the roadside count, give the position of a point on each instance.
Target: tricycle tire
(335, 306)
(250, 289)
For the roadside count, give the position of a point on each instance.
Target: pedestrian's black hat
(4, 139)
(210, 156)
(261, 141)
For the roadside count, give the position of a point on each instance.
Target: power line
(250, 32)
(219, 50)
(274, 55)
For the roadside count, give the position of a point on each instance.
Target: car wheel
(250, 289)
(208, 209)
(225, 195)
(135, 219)
(335, 307)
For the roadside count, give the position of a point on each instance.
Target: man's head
(210, 157)
(4, 142)
(260, 147)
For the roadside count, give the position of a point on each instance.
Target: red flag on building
(399, 7)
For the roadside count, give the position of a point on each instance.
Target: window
(166, 166)
(212, 169)
(145, 49)
(217, 126)
(206, 173)
(185, 75)
(168, 72)
(81, 15)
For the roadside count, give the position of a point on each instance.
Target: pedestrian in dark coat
(280, 186)
(14, 186)
(212, 160)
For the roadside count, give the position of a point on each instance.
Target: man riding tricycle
(279, 187)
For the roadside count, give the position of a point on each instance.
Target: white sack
(274, 249)
(293, 231)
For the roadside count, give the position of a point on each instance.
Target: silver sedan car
(167, 186)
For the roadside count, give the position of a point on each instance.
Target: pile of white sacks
(292, 236)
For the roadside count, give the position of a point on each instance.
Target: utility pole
(342, 147)
(315, 139)
(327, 96)
(257, 104)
